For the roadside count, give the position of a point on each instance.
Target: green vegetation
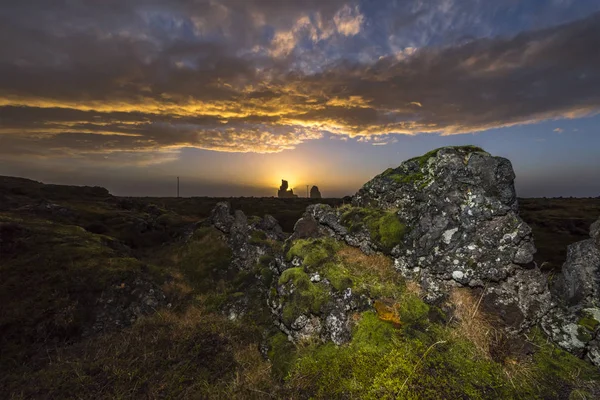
(205, 258)
(589, 322)
(344, 267)
(257, 237)
(313, 252)
(306, 297)
(422, 160)
(402, 177)
(385, 228)
(51, 276)
(425, 360)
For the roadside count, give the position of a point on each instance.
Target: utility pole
(177, 187)
(306, 191)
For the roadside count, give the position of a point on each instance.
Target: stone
(121, 304)
(305, 228)
(283, 191)
(271, 227)
(595, 232)
(579, 281)
(314, 193)
(574, 323)
(461, 210)
(221, 217)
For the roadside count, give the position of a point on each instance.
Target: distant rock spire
(314, 193)
(283, 191)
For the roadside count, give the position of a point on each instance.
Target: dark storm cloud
(114, 77)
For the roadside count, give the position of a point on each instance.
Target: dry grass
(377, 263)
(414, 288)
(471, 323)
(193, 354)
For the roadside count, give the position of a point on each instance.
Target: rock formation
(283, 191)
(574, 324)
(449, 219)
(314, 193)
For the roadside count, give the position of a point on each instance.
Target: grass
(192, 355)
(420, 359)
(51, 276)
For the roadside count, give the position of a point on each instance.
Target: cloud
(116, 78)
(348, 20)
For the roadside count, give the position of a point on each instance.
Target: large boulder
(449, 219)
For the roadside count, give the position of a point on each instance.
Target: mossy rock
(313, 252)
(307, 297)
(385, 227)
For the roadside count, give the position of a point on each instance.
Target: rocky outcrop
(120, 305)
(575, 323)
(248, 242)
(449, 219)
(314, 193)
(283, 191)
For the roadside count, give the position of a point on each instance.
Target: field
(73, 256)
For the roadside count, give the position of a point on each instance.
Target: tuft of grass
(258, 237)
(471, 322)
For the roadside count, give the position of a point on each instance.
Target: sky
(234, 95)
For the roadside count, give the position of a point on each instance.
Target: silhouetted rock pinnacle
(284, 192)
(314, 193)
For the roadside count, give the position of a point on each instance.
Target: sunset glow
(239, 95)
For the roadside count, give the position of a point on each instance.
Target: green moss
(374, 276)
(408, 178)
(380, 362)
(313, 252)
(254, 219)
(588, 322)
(391, 230)
(266, 259)
(422, 160)
(385, 228)
(257, 237)
(371, 333)
(307, 297)
(282, 355)
(266, 275)
(338, 276)
(413, 310)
